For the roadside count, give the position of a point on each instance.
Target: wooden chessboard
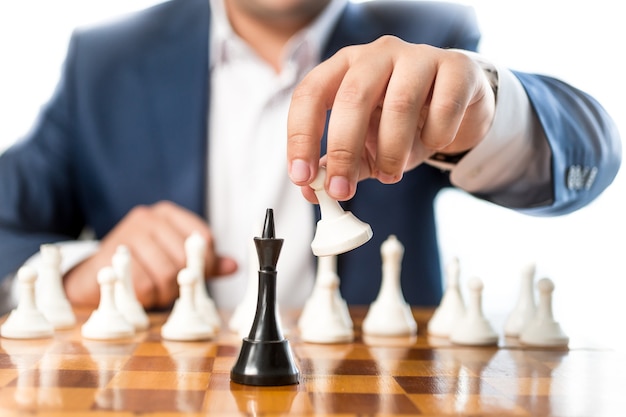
(67, 375)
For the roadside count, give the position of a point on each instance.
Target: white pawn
(195, 250)
(543, 330)
(26, 321)
(452, 307)
(474, 329)
(525, 308)
(125, 297)
(185, 323)
(389, 314)
(243, 316)
(51, 297)
(337, 231)
(325, 317)
(107, 322)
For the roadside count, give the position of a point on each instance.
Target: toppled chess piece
(265, 357)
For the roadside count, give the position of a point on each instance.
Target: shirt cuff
(514, 152)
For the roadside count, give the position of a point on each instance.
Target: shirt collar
(304, 47)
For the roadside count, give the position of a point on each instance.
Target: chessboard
(68, 375)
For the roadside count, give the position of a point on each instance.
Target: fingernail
(299, 171)
(388, 178)
(339, 187)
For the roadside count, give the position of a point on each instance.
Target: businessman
(197, 115)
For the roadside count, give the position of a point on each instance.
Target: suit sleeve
(37, 201)
(583, 139)
(551, 150)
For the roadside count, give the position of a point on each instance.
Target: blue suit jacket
(128, 125)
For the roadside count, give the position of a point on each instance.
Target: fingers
(306, 119)
(452, 92)
(155, 235)
(352, 85)
(393, 105)
(399, 129)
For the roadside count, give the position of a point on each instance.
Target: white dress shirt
(247, 156)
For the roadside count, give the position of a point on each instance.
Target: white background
(578, 41)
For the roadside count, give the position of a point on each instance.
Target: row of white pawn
(325, 317)
(530, 322)
(43, 306)
(194, 314)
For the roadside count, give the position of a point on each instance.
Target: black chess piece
(265, 357)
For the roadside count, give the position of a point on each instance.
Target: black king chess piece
(265, 357)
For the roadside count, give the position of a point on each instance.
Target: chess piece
(452, 307)
(543, 330)
(389, 314)
(338, 231)
(241, 320)
(474, 329)
(525, 308)
(26, 321)
(50, 294)
(186, 322)
(107, 322)
(243, 316)
(195, 249)
(125, 297)
(325, 317)
(265, 357)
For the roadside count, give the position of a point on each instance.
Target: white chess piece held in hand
(337, 231)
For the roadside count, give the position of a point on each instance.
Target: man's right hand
(155, 236)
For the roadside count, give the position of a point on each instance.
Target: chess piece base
(26, 325)
(265, 363)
